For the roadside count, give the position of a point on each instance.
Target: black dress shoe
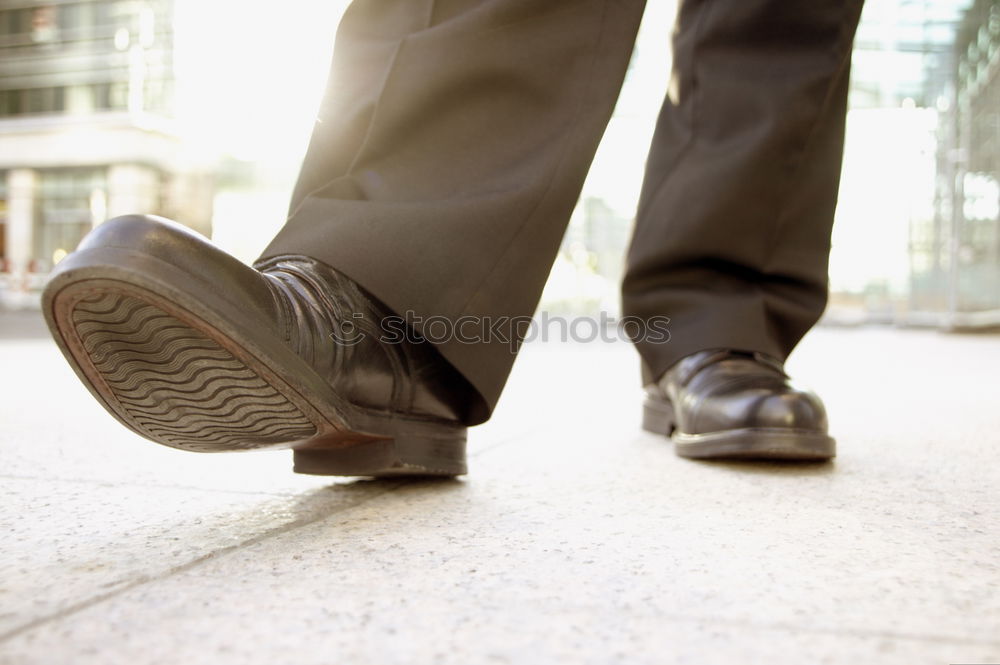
(731, 404)
(192, 349)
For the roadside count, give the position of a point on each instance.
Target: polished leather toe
(726, 390)
(724, 403)
(795, 409)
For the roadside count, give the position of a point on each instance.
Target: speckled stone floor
(577, 538)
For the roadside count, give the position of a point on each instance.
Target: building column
(21, 186)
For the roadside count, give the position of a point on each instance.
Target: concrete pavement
(576, 538)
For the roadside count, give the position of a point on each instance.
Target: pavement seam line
(189, 565)
(170, 572)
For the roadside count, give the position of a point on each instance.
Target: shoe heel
(658, 416)
(401, 456)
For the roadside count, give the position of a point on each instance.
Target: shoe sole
(748, 443)
(181, 371)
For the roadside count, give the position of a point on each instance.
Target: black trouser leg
(733, 231)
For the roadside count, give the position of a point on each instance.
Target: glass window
(103, 13)
(119, 96)
(65, 211)
(71, 17)
(35, 100)
(10, 102)
(3, 221)
(15, 22)
(111, 96)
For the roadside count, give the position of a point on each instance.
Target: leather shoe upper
(347, 337)
(718, 390)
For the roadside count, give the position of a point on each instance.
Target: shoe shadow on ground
(323, 502)
(774, 467)
(734, 466)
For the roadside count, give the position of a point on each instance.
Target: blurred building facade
(87, 129)
(957, 270)
(930, 68)
(917, 237)
(894, 180)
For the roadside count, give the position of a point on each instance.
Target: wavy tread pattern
(179, 386)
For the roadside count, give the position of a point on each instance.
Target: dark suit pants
(455, 135)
